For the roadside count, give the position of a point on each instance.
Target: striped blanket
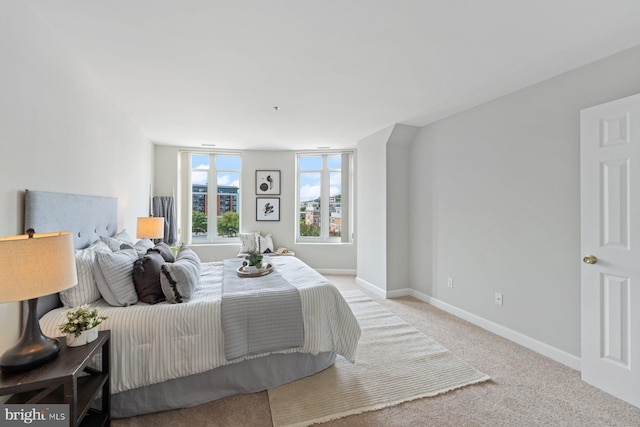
(259, 314)
(155, 343)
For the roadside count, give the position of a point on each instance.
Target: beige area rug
(395, 363)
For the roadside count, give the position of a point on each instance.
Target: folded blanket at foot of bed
(259, 314)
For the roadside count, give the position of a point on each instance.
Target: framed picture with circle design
(267, 182)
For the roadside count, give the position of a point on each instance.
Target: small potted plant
(253, 261)
(81, 326)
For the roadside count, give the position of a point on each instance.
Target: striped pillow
(86, 291)
(114, 276)
(180, 278)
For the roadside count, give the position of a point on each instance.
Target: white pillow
(264, 244)
(86, 291)
(142, 246)
(116, 241)
(114, 277)
(248, 242)
(123, 235)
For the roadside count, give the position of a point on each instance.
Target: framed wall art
(267, 208)
(267, 182)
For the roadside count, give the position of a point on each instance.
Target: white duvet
(155, 343)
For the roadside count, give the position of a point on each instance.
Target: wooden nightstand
(60, 381)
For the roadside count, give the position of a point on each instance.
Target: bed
(167, 356)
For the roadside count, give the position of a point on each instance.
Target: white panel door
(610, 228)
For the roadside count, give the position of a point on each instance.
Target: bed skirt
(249, 376)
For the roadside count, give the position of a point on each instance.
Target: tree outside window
(220, 202)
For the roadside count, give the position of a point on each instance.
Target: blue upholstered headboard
(86, 217)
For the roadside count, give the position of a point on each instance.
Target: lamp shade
(151, 227)
(35, 267)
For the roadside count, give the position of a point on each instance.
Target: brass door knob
(590, 259)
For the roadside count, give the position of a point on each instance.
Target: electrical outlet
(450, 282)
(498, 298)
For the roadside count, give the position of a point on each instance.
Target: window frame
(212, 209)
(346, 170)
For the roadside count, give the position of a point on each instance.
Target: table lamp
(151, 227)
(34, 265)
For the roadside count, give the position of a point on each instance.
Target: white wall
(59, 131)
(503, 183)
(371, 217)
(422, 221)
(398, 203)
(384, 209)
(327, 257)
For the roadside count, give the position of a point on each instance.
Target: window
(215, 197)
(323, 197)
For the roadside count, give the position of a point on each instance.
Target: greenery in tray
(81, 319)
(254, 259)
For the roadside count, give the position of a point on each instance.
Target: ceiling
(192, 72)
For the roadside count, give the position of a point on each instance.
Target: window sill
(224, 243)
(320, 242)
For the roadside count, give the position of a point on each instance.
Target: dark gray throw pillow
(165, 251)
(146, 277)
(180, 278)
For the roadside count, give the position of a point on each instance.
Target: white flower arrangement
(81, 319)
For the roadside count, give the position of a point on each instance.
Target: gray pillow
(165, 250)
(180, 278)
(114, 277)
(146, 276)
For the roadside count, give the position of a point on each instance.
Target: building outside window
(223, 209)
(323, 189)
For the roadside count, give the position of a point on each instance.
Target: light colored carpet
(395, 363)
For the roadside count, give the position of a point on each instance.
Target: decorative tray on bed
(245, 272)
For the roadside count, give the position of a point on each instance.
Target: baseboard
(396, 293)
(344, 271)
(370, 287)
(551, 352)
